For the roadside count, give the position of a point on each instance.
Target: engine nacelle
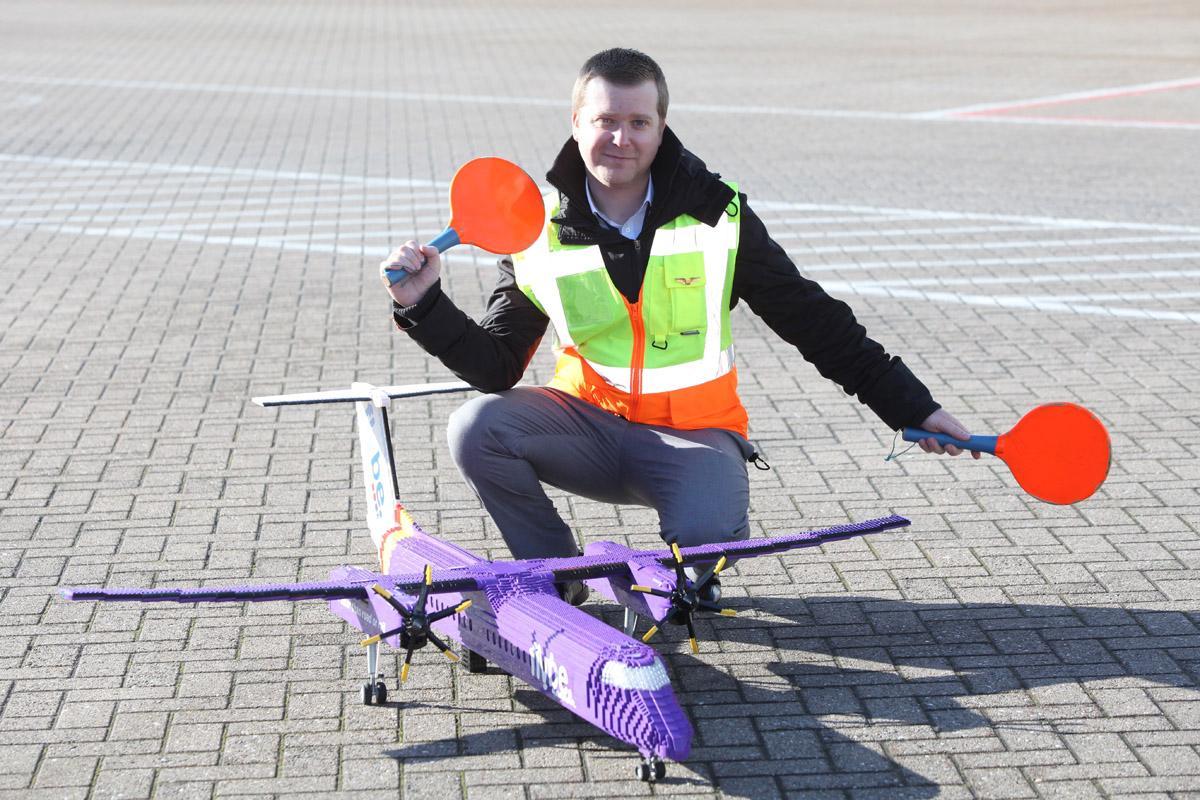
(643, 571)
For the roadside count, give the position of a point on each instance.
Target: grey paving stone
(998, 647)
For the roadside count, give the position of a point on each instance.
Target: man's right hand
(423, 265)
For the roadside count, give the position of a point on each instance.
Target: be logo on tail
(376, 487)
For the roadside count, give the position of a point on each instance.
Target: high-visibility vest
(666, 359)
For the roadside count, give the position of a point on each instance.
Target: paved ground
(192, 198)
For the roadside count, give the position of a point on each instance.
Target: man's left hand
(942, 421)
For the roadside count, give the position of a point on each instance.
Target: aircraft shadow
(760, 719)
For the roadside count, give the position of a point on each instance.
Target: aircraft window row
(507, 646)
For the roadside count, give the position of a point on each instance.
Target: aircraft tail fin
(374, 436)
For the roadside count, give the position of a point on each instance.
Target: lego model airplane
(511, 612)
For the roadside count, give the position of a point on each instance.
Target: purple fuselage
(518, 622)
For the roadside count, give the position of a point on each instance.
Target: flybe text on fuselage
(554, 677)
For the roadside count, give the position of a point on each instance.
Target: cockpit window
(647, 678)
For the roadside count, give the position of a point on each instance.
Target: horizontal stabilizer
(360, 394)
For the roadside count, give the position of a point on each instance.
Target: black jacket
(492, 354)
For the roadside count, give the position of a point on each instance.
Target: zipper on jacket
(638, 357)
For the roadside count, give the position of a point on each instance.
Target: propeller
(686, 598)
(416, 632)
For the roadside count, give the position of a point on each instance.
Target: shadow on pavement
(931, 656)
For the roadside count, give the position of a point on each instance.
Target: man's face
(618, 131)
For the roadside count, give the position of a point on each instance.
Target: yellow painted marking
(653, 630)
(405, 527)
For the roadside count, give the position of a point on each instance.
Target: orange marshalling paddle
(493, 205)
(1058, 452)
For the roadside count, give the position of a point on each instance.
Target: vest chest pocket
(589, 303)
(685, 284)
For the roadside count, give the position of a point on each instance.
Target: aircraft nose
(667, 719)
(634, 680)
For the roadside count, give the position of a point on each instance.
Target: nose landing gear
(651, 769)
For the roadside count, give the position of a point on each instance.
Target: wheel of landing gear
(660, 770)
(643, 772)
(476, 664)
(366, 693)
(380, 693)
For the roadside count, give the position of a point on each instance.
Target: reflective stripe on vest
(684, 302)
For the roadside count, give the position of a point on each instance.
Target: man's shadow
(760, 719)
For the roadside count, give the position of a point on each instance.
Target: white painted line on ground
(997, 245)
(282, 198)
(901, 232)
(1096, 297)
(270, 243)
(288, 91)
(541, 102)
(391, 236)
(848, 219)
(243, 217)
(925, 264)
(353, 226)
(56, 183)
(1068, 97)
(782, 205)
(1097, 122)
(1020, 280)
(241, 172)
(1013, 302)
(22, 101)
(181, 193)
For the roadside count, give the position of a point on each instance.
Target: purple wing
(589, 567)
(322, 590)
(775, 544)
(327, 590)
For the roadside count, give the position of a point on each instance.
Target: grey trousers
(508, 444)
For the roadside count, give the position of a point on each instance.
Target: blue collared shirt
(632, 227)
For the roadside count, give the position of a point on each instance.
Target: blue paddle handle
(984, 444)
(443, 242)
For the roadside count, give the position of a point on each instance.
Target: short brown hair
(622, 67)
